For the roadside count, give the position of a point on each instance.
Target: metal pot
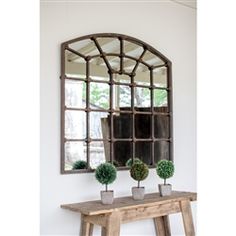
(107, 197)
(138, 193)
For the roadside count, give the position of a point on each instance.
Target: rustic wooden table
(125, 210)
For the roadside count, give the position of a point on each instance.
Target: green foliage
(78, 165)
(139, 171)
(165, 169)
(115, 163)
(160, 97)
(105, 173)
(99, 95)
(130, 162)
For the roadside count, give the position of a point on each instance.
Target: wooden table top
(124, 203)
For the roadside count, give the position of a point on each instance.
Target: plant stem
(106, 188)
(138, 184)
(164, 181)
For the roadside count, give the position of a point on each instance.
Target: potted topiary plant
(115, 163)
(165, 169)
(106, 174)
(138, 171)
(78, 165)
(130, 161)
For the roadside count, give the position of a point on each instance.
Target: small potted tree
(115, 163)
(106, 174)
(130, 161)
(165, 169)
(78, 165)
(138, 171)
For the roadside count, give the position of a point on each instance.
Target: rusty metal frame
(167, 63)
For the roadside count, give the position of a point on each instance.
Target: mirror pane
(143, 152)
(75, 66)
(122, 152)
(129, 65)
(132, 49)
(109, 45)
(85, 47)
(142, 126)
(74, 151)
(160, 98)
(121, 78)
(161, 126)
(151, 59)
(75, 125)
(99, 125)
(160, 77)
(98, 69)
(122, 97)
(99, 96)
(142, 76)
(122, 124)
(75, 94)
(99, 152)
(161, 150)
(114, 62)
(142, 97)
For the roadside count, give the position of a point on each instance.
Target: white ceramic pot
(107, 197)
(165, 189)
(138, 193)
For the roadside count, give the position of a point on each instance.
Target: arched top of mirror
(117, 52)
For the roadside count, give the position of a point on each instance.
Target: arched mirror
(116, 102)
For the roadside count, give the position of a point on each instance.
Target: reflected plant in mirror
(131, 161)
(116, 103)
(78, 165)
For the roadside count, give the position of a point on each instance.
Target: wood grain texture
(127, 203)
(125, 210)
(86, 228)
(148, 212)
(91, 229)
(187, 218)
(113, 224)
(103, 231)
(162, 226)
(96, 219)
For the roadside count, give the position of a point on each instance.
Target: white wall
(168, 27)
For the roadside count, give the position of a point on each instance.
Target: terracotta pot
(138, 193)
(107, 197)
(165, 189)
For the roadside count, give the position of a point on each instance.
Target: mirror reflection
(116, 102)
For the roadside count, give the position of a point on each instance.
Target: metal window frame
(111, 82)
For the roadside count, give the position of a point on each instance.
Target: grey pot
(138, 193)
(165, 189)
(107, 197)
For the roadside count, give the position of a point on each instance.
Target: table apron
(135, 214)
(148, 212)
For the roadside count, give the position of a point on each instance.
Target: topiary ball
(139, 171)
(105, 173)
(78, 165)
(130, 161)
(115, 163)
(165, 169)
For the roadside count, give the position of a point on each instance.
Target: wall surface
(167, 26)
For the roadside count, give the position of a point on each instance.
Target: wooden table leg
(113, 224)
(187, 217)
(91, 230)
(103, 231)
(86, 228)
(162, 226)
